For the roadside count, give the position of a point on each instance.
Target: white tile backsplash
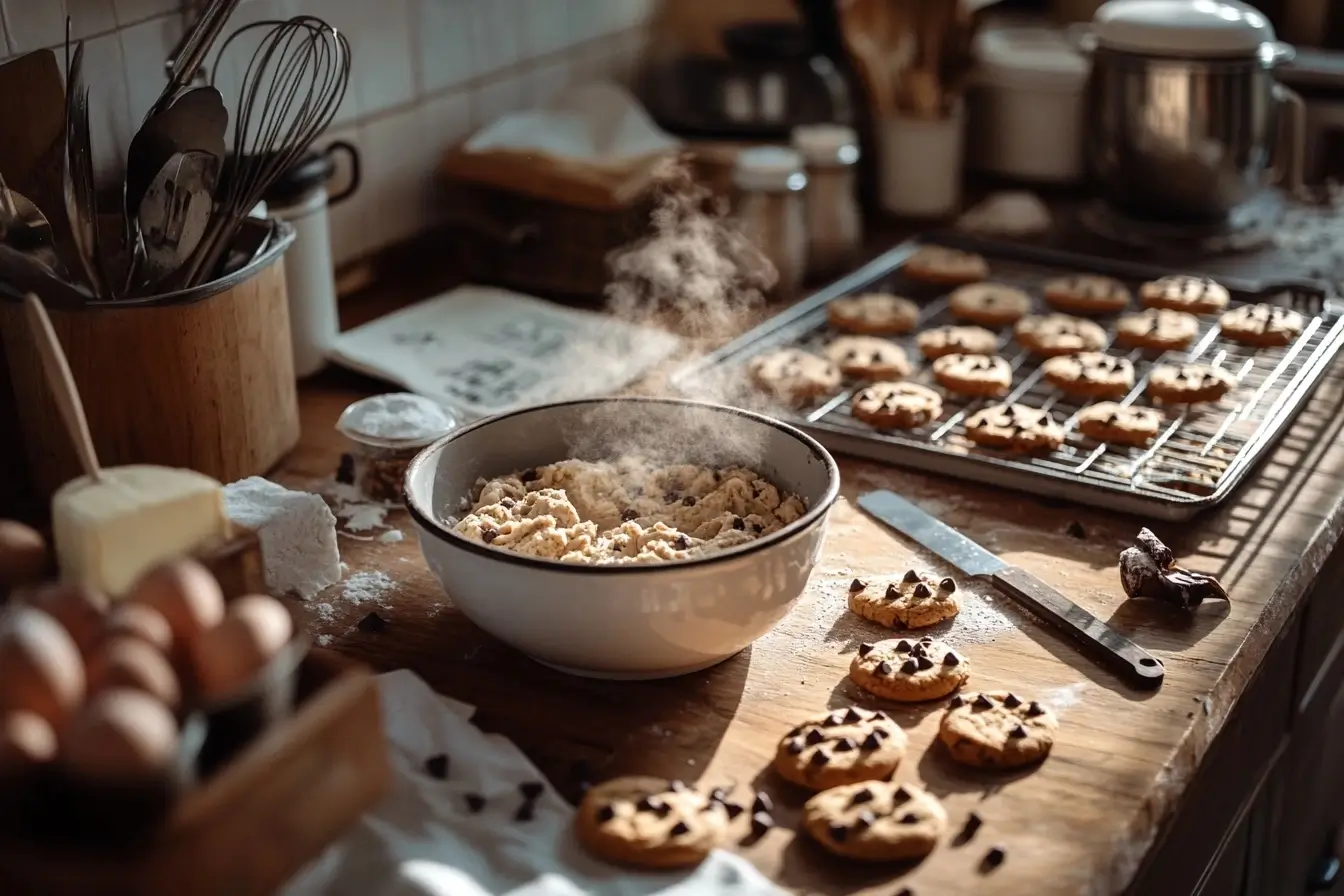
(34, 24)
(145, 47)
(383, 74)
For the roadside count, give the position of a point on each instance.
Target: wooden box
(248, 829)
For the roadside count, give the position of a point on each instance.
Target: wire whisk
(294, 82)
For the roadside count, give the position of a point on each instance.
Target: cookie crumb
(372, 623)
(993, 859)
(437, 766)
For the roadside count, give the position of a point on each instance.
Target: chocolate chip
(884, 668)
(629, 514)
(845, 745)
(924, 663)
(372, 623)
(531, 789)
(919, 650)
(1012, 701)
(909, 667)
(436, 766)
(345, 470)
(671, 498)
(526, 812)
(814, 737)
(739, 524)
(983, 702)
(679, 829)
(947, 585)
(882, 733)
(861, 796)
(905, 891)
(865, 649)
(762, 803)
(957, 700)
(835, 718)
(733, 809)
(922, 590)
(871, 742)
(761, 822)
(1018, 732)
(688, 501)
(1075, 528)
(794, 747)
(529, 475)
(852, 715)
(909, 818)
(819, 758)
(676, 786)
(865, 819)
(891, 593)
(837, 831)
(993, 859)
(900, 794)
(681, 543)
(973, 823)
(902, 646)
(507, 503)
(476, 802)
(856, 586)
(880, 716)
(489, 535)
(1034, 709)
(910, 576)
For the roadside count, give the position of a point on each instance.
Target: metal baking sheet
(1198, 458)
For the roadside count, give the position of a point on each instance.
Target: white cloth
(423, 841)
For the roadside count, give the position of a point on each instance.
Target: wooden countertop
(1080, 823)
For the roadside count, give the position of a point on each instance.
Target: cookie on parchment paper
(909, 670)
(987, 376)
(997, 729)
(646, 822)
(1087, 294)
(1089, 374)
(1262, 326)
(916, 601)
(956, 339)
(873, 314)
(1015, 427)
(794, 375)
(1181, 292)
(1160, 329)
(1120, 424)
(879, 821)
(896, 405)
(1189, 383)
(944, 266)
(989, 304)
(869, 358)
(1059, 334)
(841, 746)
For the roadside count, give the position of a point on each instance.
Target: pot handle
(1288, 165)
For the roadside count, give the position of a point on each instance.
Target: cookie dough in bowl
(623, 538)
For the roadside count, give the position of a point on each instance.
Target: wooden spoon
(62, 384)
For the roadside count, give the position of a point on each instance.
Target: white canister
(300, 197)
(921, 164)
(770, 181)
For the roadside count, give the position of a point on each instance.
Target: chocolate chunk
(1075, 528)
(529, 475)
(733, 809)
(973, 823)
(761, 822)
(476, 802)
(983, 702)
(489, 535)
(922, 590)
(856, 586)
(871, 742)
(837, 831)
(531, 789)
(902, 646)
(845, 745)
(884, 668)
(865, 649)
(1012, 701)
(526, 812)
(834, 719)
(819, 758)
(688, 501)
(676, 786)
(880, 716)
(909, 667)
(956, 701)
(681, 543)
(919, 650)
(629, 514)
(1018, 732)
(908, 818)
(852, 715)
(865, 819)
(924, 663)
(372, 623)
(1034, 709)
(947, 585)
(814, 736)
(762, 803)
(680, 829)
(994, 858)
(900, 795)
(891, 593)
(739, 524)
(436, 766)
(951, 659)
(345, 470)
(794, 747)
(861, 796)
(910, 576)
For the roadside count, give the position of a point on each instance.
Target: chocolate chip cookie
(794, 375)
(1189, 383)
(908, 670)
(873, 314)
(1089, 374)
(1015, 427)
(1087, 294)
(841, 746)
(1160, 329)
(983, 375)
(1179, 292)
(878, 821)
(997, 730)
(1059, 334)
(916, 601)
(946, 267)
(1119, 424)
(648, 822)
(950, 340)
(869, 358)
(989, 304)
(1262, 326)
(896, 405)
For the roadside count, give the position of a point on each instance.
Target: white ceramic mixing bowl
(653, 620)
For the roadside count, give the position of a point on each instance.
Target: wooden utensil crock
(206, 384)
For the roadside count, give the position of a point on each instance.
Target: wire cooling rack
(1199, 456)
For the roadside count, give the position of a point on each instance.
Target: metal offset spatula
(1101, 642)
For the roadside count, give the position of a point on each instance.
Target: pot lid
(1029, 57)
(1189, 28)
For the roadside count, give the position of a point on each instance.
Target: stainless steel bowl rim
(430, 524)
(1269, 56)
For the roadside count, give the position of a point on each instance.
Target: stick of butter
(110, 530)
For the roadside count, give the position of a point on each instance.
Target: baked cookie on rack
(876, 821)
(869, 358)
(1262, 326)
(1182, 292)
(916, 601)
(841, 746)
(997, 729)
(908, 670)
(952, 339)
(1089, 374)
(896, 405)
(1049, 335)
(1159, 329)
(793, 375)
(1087, 294)
(649, 822)
(872, 314)
(944, 266)
(982, 375)
(1015, 427)
(989, 304)
(1118, 424)
(1189, 383)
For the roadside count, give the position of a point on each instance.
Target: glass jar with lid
(770, 181)
(834, 222)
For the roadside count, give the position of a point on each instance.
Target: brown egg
(230, 655)
(82, 610)
(186, 594)
(121, 734)
(40, 667)
(23, 555)
(140, 621)
(26, 740)
(128, 662)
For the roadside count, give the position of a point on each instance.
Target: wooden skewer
(62, 384)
